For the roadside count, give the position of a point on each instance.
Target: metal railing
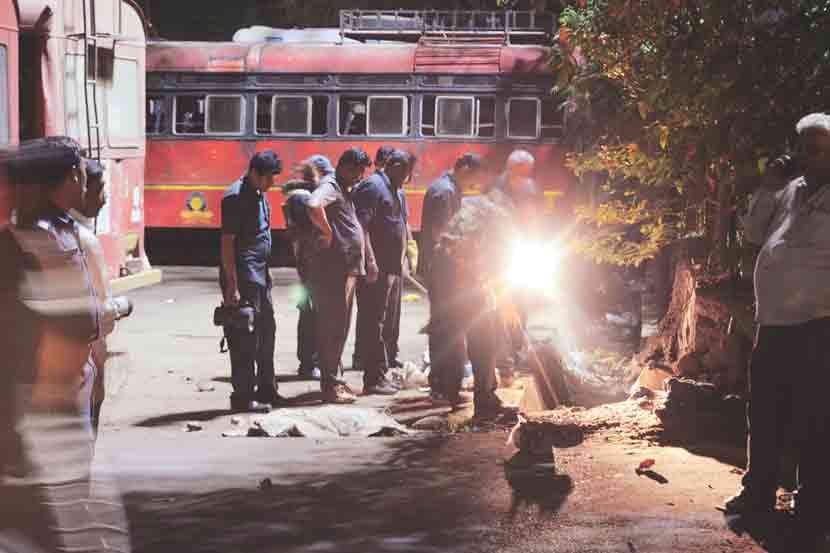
(391, 23)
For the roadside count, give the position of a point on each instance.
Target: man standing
(245, 281)
(517, 183)
(48, 295)
(441, 202)
(112, 309)
(790, 367)
(392, 327)
(301, 233)
(380, 212)
(342, 256)
(467, 267)
(363, 320)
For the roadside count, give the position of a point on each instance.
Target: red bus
(77, 69)
(9, 110)
(211, 105)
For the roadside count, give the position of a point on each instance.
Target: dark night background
(218, 19)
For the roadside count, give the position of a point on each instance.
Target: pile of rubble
(686, 412)
(697, 411)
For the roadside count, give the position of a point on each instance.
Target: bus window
(553, 122)
(523, 117)
(319, 115)
(388, 115)
(123, 117)
(352, 115)
(454, 116)
(157, 115)
(224, 114)
(486, 117)
(190, 114)
(458, 116)
(5, 131)
(292, 114)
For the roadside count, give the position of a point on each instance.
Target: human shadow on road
(425, 494)
(173, 418)
(536, 484)
(776, 532)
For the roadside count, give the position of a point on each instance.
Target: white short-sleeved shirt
(792, 274)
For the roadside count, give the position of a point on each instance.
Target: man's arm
(365, 203)
(759, 216)
(316, 206)
(231, 226)
(231, 290)
(442, 213)
(369, 252)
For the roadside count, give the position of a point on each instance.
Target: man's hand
(372, 272)
(232, 297)
(412, 255)
(324, 240)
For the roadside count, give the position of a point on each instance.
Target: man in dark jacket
(381, 213)
(443, 199)
(245, 281)
(342, 255)
(363, 318)
(465, 321)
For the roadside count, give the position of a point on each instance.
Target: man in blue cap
(245, 281)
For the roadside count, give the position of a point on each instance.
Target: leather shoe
(381, 388)
(338, 394)
(250, 407)
(746, 503)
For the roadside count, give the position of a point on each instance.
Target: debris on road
(698, 409)
(236, 420)
(646, 464)
(193, 426)
(205, 386)
(410, 377)
(327, 421)
(434, 423)
(265, 484)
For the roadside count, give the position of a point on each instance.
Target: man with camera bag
(247, 313)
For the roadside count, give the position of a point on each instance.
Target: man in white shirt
(790, 368)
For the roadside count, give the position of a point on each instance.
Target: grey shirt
(346, 252)
(792, 274)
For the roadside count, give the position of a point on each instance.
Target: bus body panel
(186, 179)
(57, 58)
(187, 172)
(9, 96)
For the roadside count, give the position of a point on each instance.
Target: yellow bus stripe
(219, 187)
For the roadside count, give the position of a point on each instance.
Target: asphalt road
(200, 492)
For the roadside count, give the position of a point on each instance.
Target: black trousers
(392, 328)
(462, 326)
(789, 377)
(307, 332)
(252, 353)
(333, 292)
(372, 316)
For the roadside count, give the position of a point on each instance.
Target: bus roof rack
(528, 27)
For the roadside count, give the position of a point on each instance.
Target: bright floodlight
(534, 265)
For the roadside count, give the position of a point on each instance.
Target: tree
(678, 103)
